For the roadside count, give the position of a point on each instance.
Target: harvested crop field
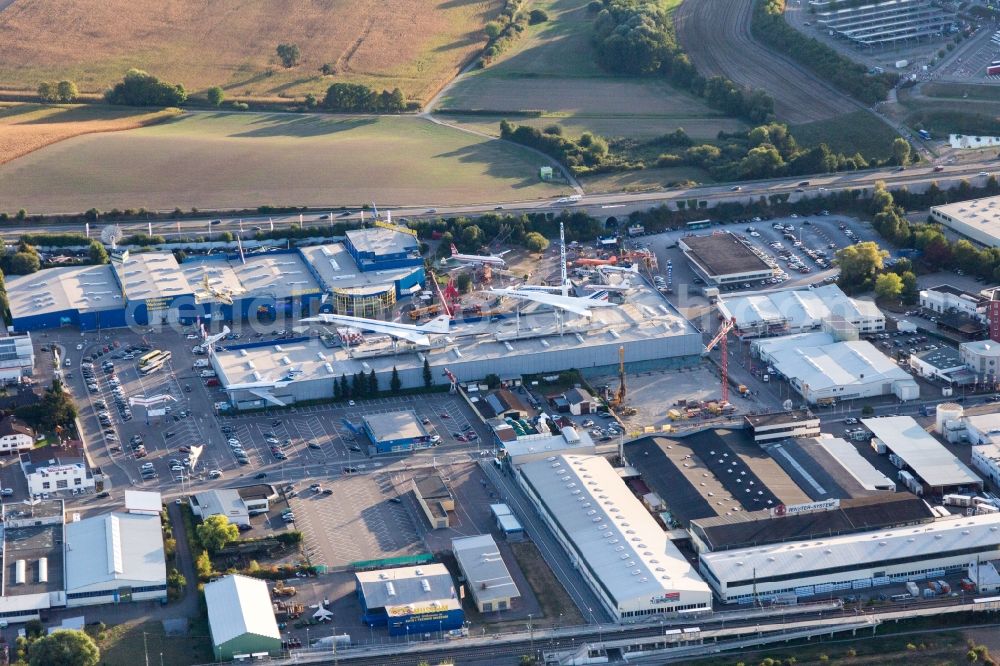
(716, 36)
(227, 160)
(413, 44)
(552, 70)
(25, 128)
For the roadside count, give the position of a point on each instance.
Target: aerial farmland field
(415, 45)
(25, 128)
(551, 72)
(231, 160)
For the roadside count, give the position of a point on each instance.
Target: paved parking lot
(357, 522)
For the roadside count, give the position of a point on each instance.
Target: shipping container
(912, 588)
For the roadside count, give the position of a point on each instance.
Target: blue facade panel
(413, 279)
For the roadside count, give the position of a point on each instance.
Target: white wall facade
(982, 357)
(930, 371)
(986, 461)
(58, 478)
(940, 302)
(16, 442)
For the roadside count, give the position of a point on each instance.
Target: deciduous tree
(289, 55)
(215, 532)
(65, 647)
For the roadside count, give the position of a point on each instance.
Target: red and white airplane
(478, 259)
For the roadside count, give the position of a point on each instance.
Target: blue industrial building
(384, 246)
(395, 431)
(410, 601)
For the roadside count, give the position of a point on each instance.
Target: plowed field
(716, 36)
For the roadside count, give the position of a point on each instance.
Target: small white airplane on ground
(416, 333)
(479, 259)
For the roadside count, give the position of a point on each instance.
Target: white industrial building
(236, 504)
(982, 357)
(943, 363)
(946, 298)
(823, 370)
(543, 445)
(619, 549)
(115, 557)
(934, 466)
(528, 339)
(485, 573)
(882, 23)
(986, 461)
(17, 358)
(782, 425)
(977, 219)
(799, 311)
(821, 566)
(982, 428)
(143, 502)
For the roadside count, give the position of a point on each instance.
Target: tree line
(588, 154)
(766, 151)
(637, 38)
(769, 26)
(139, 88)
(356, 97)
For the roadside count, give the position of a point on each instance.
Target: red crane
(723, 337)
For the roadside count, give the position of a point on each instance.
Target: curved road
(716, 36)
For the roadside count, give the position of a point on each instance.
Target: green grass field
(552, 69)
(221, 160)
(123, 645)
(851, 133)
(644, 180)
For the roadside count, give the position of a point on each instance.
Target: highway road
(600, 205)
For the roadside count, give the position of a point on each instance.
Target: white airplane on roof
(484, 259)
(415, 333)
(574, 304)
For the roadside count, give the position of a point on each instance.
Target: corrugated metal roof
(616, 535)
(805, 557)
(239, 605)
(927, 457)
(114, 547)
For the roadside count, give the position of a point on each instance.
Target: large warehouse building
(364, 276)
(883, 24)
(821, 566)
(799, 311)
(824, 371)
(532, 341)
(978, 219)
(621, 551)
(722, 259)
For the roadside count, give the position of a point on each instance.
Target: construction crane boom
(723, 337)
(622, 390)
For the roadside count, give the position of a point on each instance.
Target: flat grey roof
(31, 544)
(274, 274)
(485, 571)
(406, 585)
(82, 288)
(432, 487)
(395, 425)
(382, 241)
(643, 317)
(927, 457)
(942, 358)
(150, 275)
(723, 254)
(337, 270)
